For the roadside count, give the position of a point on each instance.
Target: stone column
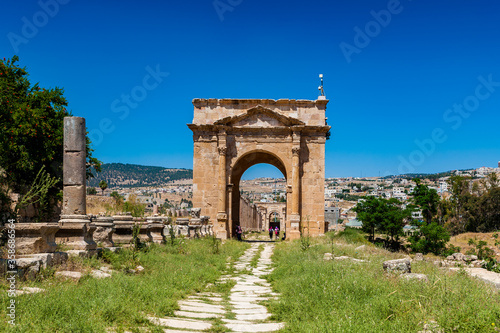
(230, 211)
(74, 167)
(221, 209)
(75, 229)
(295, 181)
(294, 231)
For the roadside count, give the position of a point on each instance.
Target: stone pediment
(259, 116)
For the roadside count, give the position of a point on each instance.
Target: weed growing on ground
(305, 240)
(255, 259)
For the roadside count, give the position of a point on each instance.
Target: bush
(430, 238)
(352, 235)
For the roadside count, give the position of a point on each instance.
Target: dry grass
(97, 204)
(462, 241)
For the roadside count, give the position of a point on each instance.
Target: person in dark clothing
(239, 231)
(271, 233)
(277, 232)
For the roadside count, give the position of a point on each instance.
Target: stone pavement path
(199, 311)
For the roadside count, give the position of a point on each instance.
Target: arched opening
(275, 220)
(250, 210)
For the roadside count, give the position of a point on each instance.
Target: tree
(383, 215)
(459, 202)
(31, 131)
(429, 238)
(103, 185)
(427, 199)
(91, 191)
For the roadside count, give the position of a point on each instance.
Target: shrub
(430, 238)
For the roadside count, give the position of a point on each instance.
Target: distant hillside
(430, 176)
(131, 175)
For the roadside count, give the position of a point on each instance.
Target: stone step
(201, 304)
(253, 316)
(201, 309)
(198, 315)
(189, 324)
(247, 326)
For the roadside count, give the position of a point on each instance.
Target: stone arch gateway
(231, 135)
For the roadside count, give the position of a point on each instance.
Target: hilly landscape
(132, 175)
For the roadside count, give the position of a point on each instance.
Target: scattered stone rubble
(460, 260)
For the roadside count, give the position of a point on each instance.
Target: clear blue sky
(390, 82)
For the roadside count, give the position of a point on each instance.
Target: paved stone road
(198, 312)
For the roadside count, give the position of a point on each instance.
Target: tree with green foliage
(427, 199)
(382, 215)
(31, 132)
(91, 191)
(103, 185)
(430, 237)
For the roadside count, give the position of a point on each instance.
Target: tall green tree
(427, 199)
(382, 215)
(31, 130)
(103, 185)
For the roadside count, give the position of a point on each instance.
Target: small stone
(415, 276)
(327, 256)
(459, 256)
(139, 269)
(69, 275)
(473, 257)
(418, 257)
(100, 274)
(342, 258)
(29, 290)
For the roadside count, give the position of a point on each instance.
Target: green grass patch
(346, 296)
(124, 300)
(255, 259)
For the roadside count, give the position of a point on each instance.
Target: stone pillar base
(76, 232)
(155, 229)
(294, 231)
(293, 234)
(105, 227)
(221, 232)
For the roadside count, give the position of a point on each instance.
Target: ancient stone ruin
(231, 135)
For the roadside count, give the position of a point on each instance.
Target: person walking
(239, 231)
(271, 233)
(277, 232)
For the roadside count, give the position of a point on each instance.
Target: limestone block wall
(313, 183)
(207, 111)
(249, 216)
(205, 173)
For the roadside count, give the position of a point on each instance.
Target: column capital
(222, 150)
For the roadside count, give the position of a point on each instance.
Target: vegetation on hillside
(473, 206)
(131, 175)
